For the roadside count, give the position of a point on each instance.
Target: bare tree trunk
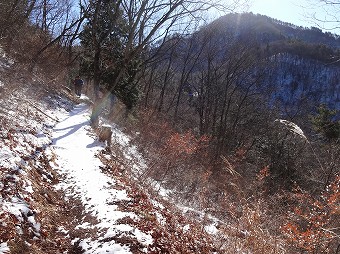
(165, 84)
(96, 71)
(44, 17)
(96, 82)
(148, 87)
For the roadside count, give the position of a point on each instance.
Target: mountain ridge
(274, 29)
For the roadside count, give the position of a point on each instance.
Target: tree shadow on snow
(73, 129)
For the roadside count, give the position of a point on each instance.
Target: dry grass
(181, 163)
(249, 220)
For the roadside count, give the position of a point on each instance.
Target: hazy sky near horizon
(297, 12)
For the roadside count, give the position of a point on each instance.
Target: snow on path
(76, 159)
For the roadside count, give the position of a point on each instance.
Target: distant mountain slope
(268, 30)
(296, 69)
(303, 64)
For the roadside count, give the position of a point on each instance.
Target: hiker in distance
(78, 84)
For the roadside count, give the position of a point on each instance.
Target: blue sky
(297, 12)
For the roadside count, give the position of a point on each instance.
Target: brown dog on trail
(105, 134)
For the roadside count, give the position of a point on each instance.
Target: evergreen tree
(103, 40)
(325, 124)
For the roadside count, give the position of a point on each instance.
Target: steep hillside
(62, 191)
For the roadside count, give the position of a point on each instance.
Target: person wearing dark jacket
(78, 84)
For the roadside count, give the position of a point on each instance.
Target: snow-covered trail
(76, 159)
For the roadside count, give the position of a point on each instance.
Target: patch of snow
(130, 152)
(160, 218)
(97, 247)
(165, 193)
(119, 229)
(20, 209)
(143, 238)
(186, 228)
(7, 158)
(4, 248)
(211, 229)
(157, 204)
(28, 186)
(63, 230)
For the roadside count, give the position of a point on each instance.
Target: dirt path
(77, 160)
